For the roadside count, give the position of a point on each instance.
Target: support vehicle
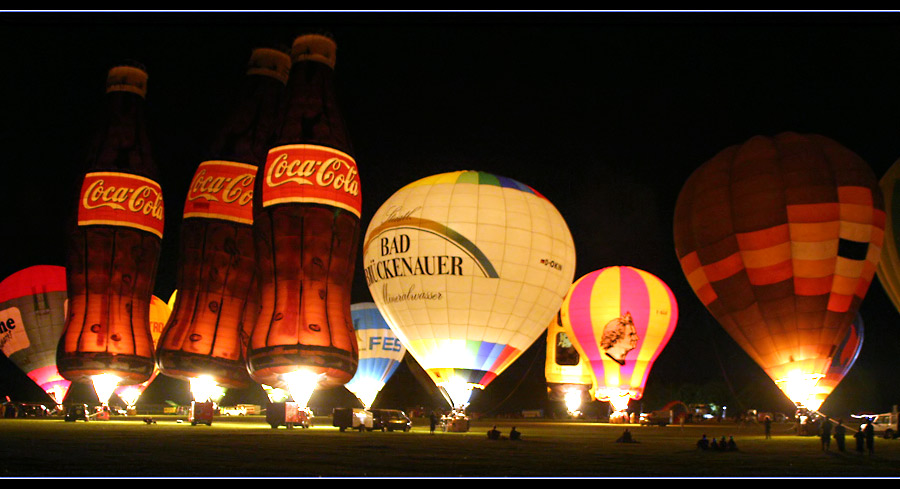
(201, 413)
(390, 420)
(289, 414)
(354, 418)
(884, 424)
(77, 412)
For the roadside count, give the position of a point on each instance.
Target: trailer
(289, 414)
(201, 413)
(355, 418)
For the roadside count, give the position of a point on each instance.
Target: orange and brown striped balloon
(779, 238)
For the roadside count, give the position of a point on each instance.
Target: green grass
(247, 447)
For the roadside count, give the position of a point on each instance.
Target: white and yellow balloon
(468, 268)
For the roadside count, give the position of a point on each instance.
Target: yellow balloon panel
(565, 368)
(469, 268)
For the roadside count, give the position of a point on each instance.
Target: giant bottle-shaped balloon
(32, 317)
(217, 301)
(621, 319)
(113, 246)
(159, 315)
(780, 237)
(468, 268)
(307, 204)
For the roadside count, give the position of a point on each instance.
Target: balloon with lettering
(468, 268)
(380, 352)
(114, 241)
(841, 363)
(32, 316)
(159, 314)
(568, 373)
(621, 319)
(307, 204)
(779, 237)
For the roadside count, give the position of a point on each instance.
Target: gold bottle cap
(314, 47)
(127, 78)
(270, 62)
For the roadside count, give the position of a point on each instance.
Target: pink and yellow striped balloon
(620, 319)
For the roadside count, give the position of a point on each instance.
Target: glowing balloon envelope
(159, 315)
(889, 267)
(620, 318)
(468, 268)
(32, 318)
(841, 364)
(779, 238)
(380, 352)
(568, 374)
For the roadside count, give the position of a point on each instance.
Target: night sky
(606, 114)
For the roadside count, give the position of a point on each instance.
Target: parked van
(390, 420)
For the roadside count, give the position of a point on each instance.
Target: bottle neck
(121, 142)
(247, 131)
(312, 114)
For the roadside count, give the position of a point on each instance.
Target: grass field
(248, 447)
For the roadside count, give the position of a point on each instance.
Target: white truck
(884, 424)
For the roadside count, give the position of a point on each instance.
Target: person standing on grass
(839, 434)
(870, 436)
(825, 433)
(768, 424)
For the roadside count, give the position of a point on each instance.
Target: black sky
(606, 114)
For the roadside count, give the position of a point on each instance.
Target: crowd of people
(717, 445)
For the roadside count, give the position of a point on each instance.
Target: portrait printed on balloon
(619, 338)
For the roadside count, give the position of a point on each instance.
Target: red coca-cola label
(311, 174)
(121, 199)
(222, 190)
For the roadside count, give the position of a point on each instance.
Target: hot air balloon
(380, 352)
(841, 363)
(32, 317)
(568, 374)
(620, 318)
(468, 268)
(159, 315)
(889, 266)
(779, 238)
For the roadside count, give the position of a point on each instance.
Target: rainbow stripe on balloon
(478, 361)
(607, 295)
(476, 177)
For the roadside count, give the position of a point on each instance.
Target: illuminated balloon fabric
(843, 360)
(889, 267)
(159, 315)
(564, 368)
(32, 317)
(779, 238)
(468, 267)
(603, 298)
(380, 352)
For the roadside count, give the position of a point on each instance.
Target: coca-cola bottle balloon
(306, 221)
(114, 245)
(215, 303)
